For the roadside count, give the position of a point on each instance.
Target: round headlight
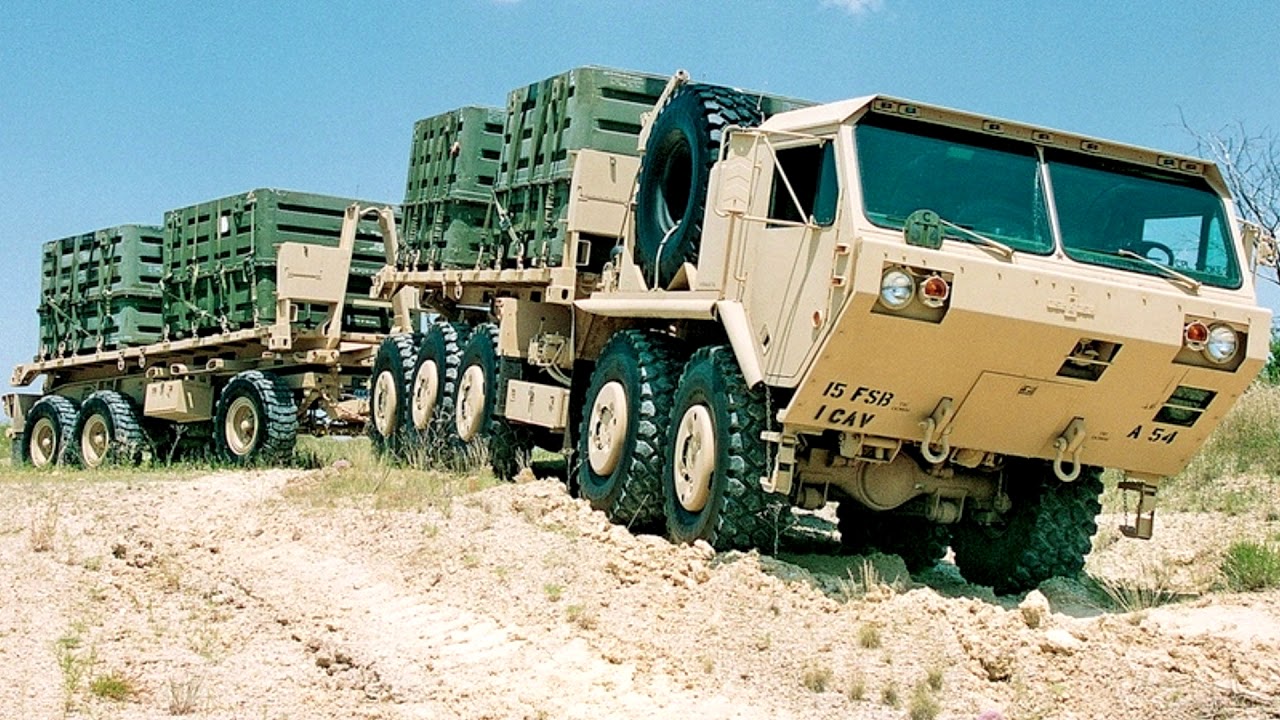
(1222, 344)
(896, 289)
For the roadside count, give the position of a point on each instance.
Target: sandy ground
(226, 596)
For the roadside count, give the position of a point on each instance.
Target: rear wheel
(256, 419)
(620, 443)
(434, 388)
(479, 430)
(108, 430)
(1046, 533)
(715, 459)
(389, 406)
(49, 434)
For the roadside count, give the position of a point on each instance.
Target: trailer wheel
(620, 443)
(1047, 533)
(476, 424)
(389, 406)
(256, 419)
(715, 459)
(108, 430)
(675, 172)
(919, 542)
(49, 434)
(434, 387)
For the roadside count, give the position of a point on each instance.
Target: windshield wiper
(1169, 273)
(983, 240)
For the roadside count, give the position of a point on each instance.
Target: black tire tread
(721, 107)
(129, 439)
(506, 444)
(281, 415)
(1048, 534)
(638, 502)
(64, 412)
(453, 337)
(397, 352)
(748, 517)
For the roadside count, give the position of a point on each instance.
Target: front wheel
(1046, 533)
(716, 458)
(256, 419)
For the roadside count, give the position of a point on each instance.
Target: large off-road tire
(919, 542)
(256, 419)
(50, 432)
(390, 413)
(476, 425)
(620, 442)
(433, 388)
(1046, 533)
(675, 172)
(108, 430)
(715, 459)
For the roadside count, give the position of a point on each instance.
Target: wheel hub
(694, 459)
(384, 403)
(241, 427)
(94, 441)
(469, 413)
(44, 443)
(426, 392)
(607, 428)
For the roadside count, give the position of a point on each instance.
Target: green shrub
(1250, 566)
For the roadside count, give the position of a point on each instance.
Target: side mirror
(828, 195)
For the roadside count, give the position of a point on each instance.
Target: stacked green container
(587, 107)
(100, 290)
(452, 170)
(220, 261)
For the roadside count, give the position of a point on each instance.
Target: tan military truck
(946, 322)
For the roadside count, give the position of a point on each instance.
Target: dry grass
(869, 636)
(185, 695)
(817, 677)
(923, 704)
(44, 527)
(1152, 587)
(349, 470)
(1250, 566)
(1247, 443)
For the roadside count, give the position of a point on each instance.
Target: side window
(803, 167)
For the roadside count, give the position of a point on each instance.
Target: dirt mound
(227, 596)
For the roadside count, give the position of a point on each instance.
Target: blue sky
(113, 112)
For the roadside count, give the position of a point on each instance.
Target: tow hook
(1071, 441)
(941, 415)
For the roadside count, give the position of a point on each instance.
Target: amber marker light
(934, 291)
(1195, 334)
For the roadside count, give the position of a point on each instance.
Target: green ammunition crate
(123, 259)
(453, 166)
(100, 290)
(220, 261)
(455, 156)
(444, 234)
(101, 322)
(588, 107)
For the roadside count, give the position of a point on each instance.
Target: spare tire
(683, 144)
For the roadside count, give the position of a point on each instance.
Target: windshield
(989, 186)
(1105, 208)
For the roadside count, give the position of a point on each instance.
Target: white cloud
(855, 7)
